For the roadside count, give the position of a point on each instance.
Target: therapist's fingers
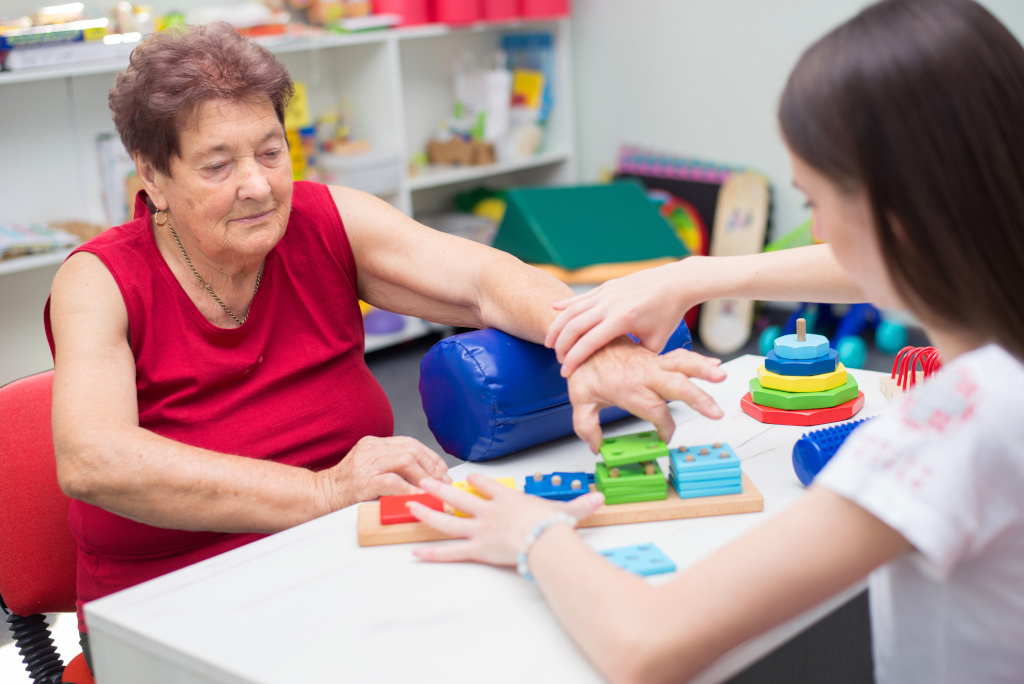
(452, 525)
(451, 552)
(569, 301)
(577, 307)
(462, 500)
(584, 506)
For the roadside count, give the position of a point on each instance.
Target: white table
(309, 605)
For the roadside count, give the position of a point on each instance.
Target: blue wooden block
(562, 491)
(801, 367)
(718, 477)
(644, 559)
(686, 492)
(789, 347)
(712, 460)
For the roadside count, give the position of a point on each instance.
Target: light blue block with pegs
(702, 462)
(643, 559)
(690, 492)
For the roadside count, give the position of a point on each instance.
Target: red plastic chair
(37, 565)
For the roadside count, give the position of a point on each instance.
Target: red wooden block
(803, 417)
(393, 509)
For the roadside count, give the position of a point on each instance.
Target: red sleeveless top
(290, 385)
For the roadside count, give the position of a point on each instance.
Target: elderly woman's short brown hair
(172, 73)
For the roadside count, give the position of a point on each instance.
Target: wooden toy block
(891, 386)
(706, 477)
(804, 417)
(643, 559)
(689, 491)
(801, 345)
(633, 483)
(509, 482)
(642, 446)
(558, 486)
(704, 458)
(793, 401)
(817, 366)
(802, 383)
(395, 509)
(372, 533)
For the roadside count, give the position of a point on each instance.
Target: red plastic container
(500, 10)
(412, 11)
(456, 11)
(536, 9)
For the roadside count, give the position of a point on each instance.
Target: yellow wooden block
(509, 482)
(805, 383)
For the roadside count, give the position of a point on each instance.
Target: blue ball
(890, 337)
(853, 351)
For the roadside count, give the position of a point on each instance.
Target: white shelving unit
(400, 85)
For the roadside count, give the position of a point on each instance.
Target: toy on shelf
(849, 343)
(815, 449)
(706, 470)
(643, 559)
(802, 383)
(904, 369)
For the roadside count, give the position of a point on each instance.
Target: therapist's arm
(635, 632)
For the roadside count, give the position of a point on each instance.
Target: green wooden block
(642, 446)
(793, 401)
(631, 475)
(654, 495)
(573, 227)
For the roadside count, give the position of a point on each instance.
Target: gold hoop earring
(156, 219)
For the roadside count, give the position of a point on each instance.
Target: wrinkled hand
(626, 375)
(647, 304)
(498, 526)
(379, 466)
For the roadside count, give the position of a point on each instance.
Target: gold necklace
(206, 285)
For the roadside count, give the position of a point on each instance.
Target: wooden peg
(724, 454)
(538, 476)
(801, 330)
(649, 468)
(690, 458)
(576, 484)
(704, 452)
(614, 472)
(556, 480)
(717, 445)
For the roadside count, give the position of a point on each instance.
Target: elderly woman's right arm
(105, 458)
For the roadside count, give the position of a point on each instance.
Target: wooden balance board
(741, 219)
(372, 533)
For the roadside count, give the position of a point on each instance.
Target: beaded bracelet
(522, 563)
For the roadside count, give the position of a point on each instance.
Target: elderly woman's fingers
(390, 484)
(429, 460)
(648, 404)
(672, 386)
(586, 424)
(693, 365)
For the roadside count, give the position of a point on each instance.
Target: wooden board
(372, 533)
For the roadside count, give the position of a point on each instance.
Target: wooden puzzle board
(372, 533)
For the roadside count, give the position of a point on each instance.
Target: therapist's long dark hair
(921, 104)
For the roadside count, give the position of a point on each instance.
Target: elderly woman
(210, 385)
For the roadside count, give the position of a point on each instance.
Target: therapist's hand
(626, 375)
(499, 524)
(379, 466)
(647, 304)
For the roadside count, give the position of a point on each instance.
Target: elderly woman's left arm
(408, 268)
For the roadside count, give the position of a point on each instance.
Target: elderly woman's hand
(625, 374)
(498, 525)
(379, 466)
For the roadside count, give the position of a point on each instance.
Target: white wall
(701, 78)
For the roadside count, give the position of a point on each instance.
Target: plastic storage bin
(377, 172)
(412, 11)
(499, 10)
(456, 11)
(545, 8)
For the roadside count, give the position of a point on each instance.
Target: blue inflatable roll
(488, 394)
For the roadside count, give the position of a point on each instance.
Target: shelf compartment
(436, 177)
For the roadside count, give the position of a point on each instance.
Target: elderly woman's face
(231, 188)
